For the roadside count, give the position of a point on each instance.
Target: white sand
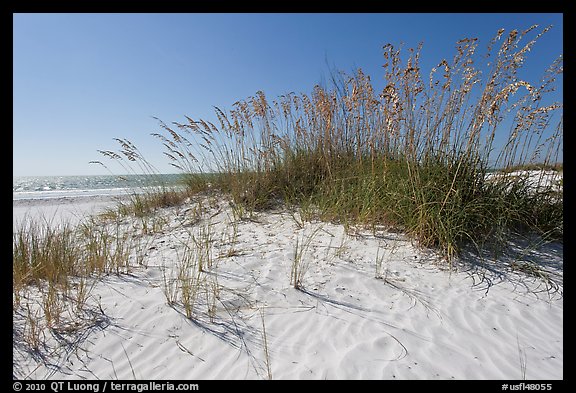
(480, 320)
(62, 209)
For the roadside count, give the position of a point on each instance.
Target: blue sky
(80, 80)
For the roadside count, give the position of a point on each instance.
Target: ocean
(48, 187)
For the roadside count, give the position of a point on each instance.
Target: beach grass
(415, 156)
(56, 263)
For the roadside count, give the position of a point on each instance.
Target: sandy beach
(371, 305)
(62, 209)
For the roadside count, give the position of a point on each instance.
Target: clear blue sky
(82, 79)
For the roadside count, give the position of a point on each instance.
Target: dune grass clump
(54, 267)
(43, 251)
(195, 281)
(414, 156)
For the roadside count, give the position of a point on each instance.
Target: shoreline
(60, 209)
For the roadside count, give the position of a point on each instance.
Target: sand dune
(418, 320)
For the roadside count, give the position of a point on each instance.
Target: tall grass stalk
(189, 277)
(203, 242)
(379, 261)
(266, 351)
(300, 264)
(522, 358)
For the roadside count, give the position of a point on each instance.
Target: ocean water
(46, 187)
